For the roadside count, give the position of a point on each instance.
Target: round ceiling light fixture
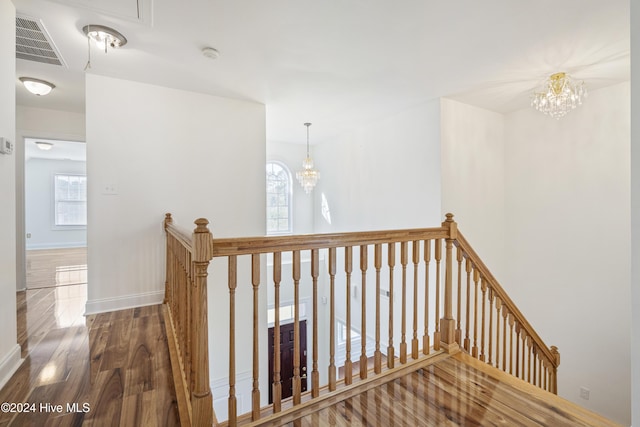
(210, 52)
(46, 146)
(37, 86)
(104, 37)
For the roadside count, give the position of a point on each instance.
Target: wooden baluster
(545, 375)
(517, 329)
(332, 320)
(489, 361)
(167, 279)
(427, 259)
(530, 351)
(364, 262)
(554, 369)
(459, 297)
(467, 341)
(277, 381)
(498, 308)
(483, 317)
(315, 272)
(348, 268)
(297, 381)
(391, 261)
(255, 394)
(416, 260)
(539, 371)
(438, 258)
(447, 323)
(377, 356)
(201, 398)
(476, 280)
(404, 259)
(505, 314)
(524, 353)
(533, 351)
(233, 283)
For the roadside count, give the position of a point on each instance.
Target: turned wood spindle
(377, 356)
(404, 260)
(427, 259)
(416, 260)
(391, 261)
(277, 381)
(348, 268)
(315, 272)
(297, 380)
(364, 261)
(255, 393)
(332, 319)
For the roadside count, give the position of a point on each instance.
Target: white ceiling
(336, 63)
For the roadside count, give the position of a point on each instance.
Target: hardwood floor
(110, 369)
(56, 267)
(455, 391)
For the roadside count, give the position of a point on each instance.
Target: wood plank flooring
(56, 267)
(454, 392)
(110, 369)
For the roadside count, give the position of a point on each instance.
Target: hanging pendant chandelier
(308, 177)
(559, 96)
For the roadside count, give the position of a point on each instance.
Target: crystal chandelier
(308, 176)
(559, 96)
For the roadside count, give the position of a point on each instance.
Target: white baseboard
(121, 303)
(9, 365)
(63, 245)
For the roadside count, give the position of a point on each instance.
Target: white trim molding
(9, 365)
(121, 303)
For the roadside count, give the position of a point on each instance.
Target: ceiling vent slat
(33, 42)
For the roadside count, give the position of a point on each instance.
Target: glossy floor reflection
(106, 369)
(56, 267)
(456, 391)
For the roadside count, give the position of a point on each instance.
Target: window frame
(56, 200)
(284, 167)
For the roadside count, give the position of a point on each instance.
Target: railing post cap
(167, 219)
(449, 217)
(201, 225)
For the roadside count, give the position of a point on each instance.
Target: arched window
(278, 199)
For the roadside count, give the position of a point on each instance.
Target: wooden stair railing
(519, 350)
(403, 254)
(185, 315)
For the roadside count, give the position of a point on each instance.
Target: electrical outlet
(28, 235)
(584, 393)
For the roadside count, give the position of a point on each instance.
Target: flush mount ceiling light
(559, 95)
(104, 37)
(308, 176)
(37, 86)
(210, 52)
(46, 146)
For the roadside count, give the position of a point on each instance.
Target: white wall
(568, 225)
(9, 349)
(385, 174)
(166, 150)
(38, 123)
(635, 211)
(39, 205)
(473, 177)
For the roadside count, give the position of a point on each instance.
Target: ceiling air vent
(33, 43)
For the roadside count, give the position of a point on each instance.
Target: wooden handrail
(423, 263)
(223, 247)
(504, 297)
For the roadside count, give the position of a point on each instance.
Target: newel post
(201, 398)
(167, 220)
(447, 323)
